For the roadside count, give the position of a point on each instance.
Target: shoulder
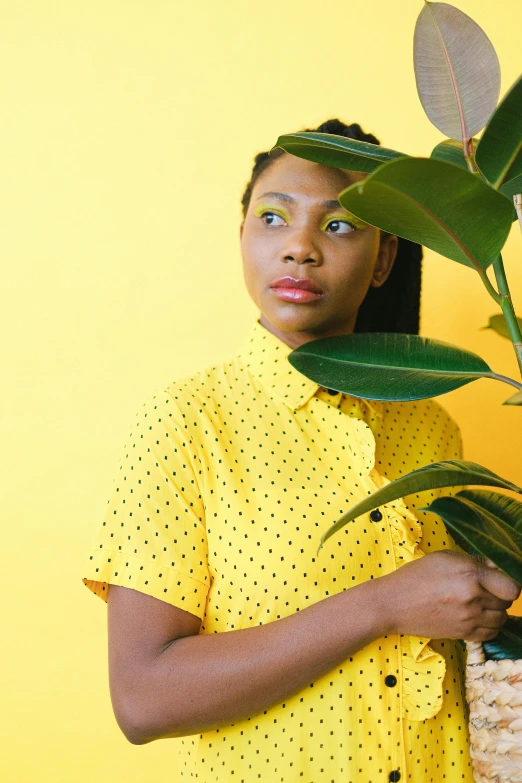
(214, 383)
(201, 393)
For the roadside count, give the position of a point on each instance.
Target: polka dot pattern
(226, 483)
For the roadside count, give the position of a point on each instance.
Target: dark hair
(395, 306)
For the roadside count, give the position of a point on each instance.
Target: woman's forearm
(167, 680)
(201, 682)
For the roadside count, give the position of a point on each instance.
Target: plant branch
(469, 155)
(494, 294)
(504, 379)
(507, 308)
(517, 200)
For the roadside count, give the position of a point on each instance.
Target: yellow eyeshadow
(258, 211)
(346, 217)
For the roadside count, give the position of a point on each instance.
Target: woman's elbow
(135, 731)
(134, 737)
(136, 740)
(139, 727)
(132, 719)
(137, 734)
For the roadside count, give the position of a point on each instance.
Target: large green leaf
(499, 153)
(387, 366)
(481, 524)
(508, 643)
(503, 507)
(436, 204)
(456, 69)
(337, 151)
(451, 151)
(497, 322)
(512, 187)
(450, 473)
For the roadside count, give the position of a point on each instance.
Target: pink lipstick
(292, 289)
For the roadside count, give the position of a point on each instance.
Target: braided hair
(395, 306)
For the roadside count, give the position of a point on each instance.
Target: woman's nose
(300, 246)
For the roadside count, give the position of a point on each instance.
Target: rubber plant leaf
(506, 509)
(435, 204)
(508, 642)
(499, 153)
(512, 187)
(451, 151)
(483, 527)
(388, 366)
(337, 151)
(489, 524)
(450, 473)
(456, 69)
(498, 324)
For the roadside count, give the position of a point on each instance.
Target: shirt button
(333, 392)
(376, 516)
(394, 776)
(390, 680)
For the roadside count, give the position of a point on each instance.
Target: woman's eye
(271, 219)
(340, 227)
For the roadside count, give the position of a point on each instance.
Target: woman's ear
(385, 259)
(241, 229)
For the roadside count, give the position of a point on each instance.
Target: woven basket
(494, 693)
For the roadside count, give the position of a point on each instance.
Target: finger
(491, 618)
(489, 601)
(483, 634)
(484, 561)
(498, 584)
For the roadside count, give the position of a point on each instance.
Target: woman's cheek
(253, 282)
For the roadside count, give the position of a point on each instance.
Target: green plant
(460, 202)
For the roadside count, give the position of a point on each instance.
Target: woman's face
(295, 233)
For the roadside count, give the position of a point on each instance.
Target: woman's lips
(296, 294)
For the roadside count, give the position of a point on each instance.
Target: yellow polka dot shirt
(225, 486)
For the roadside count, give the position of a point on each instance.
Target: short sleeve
(152, 536)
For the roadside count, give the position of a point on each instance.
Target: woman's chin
(292, 320)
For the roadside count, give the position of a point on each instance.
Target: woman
(226, 629)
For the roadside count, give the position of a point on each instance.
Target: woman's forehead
(298, 176)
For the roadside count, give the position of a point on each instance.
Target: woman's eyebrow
(331, 204)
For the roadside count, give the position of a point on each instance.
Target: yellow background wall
(127, 133)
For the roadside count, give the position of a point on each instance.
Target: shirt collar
(265, 355)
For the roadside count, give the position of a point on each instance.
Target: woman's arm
(166, 680)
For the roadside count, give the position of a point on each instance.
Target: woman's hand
(447, 595)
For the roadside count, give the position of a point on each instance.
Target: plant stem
(507, 308)
(489, 287)
(517, 200)
(469, 155)
(504, 378)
